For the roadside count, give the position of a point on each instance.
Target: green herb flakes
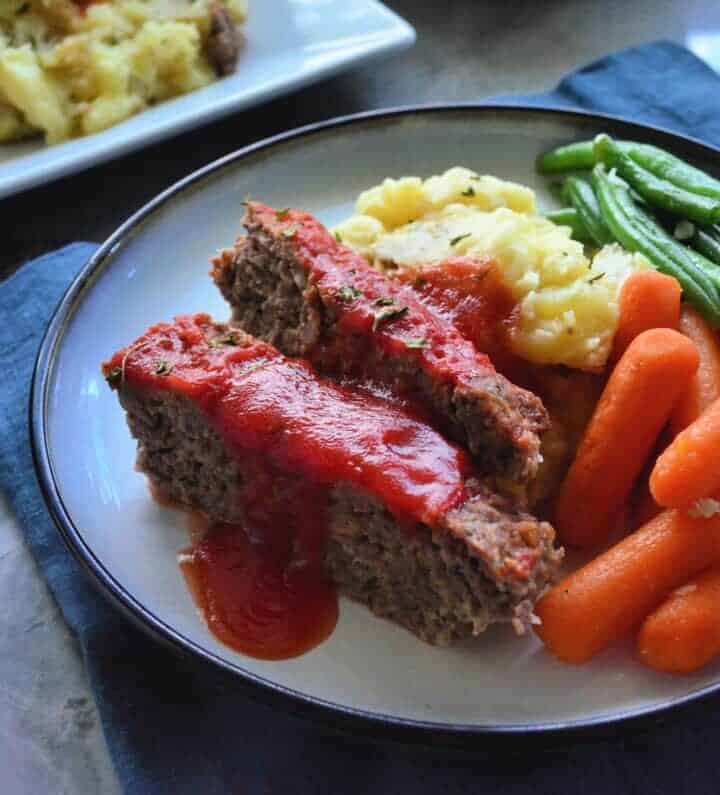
(114, 376)
(349, 293)
(457, 239)
(416, 342)
(163, 367)
(388, 315)
(384, 301)
(227, 339)
(595, 278)
(281, 215)
(469, 192)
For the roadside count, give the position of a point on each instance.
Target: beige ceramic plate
(154, 267)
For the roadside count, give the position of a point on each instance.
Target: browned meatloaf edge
(275, 295)
(485, 562)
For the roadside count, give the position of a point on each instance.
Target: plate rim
(339, 715)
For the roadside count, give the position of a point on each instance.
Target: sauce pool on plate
(252, 601)
(250, 598)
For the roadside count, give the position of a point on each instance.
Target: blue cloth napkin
(174, 727)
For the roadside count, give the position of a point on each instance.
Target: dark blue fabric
(661, 84)
(173, 727)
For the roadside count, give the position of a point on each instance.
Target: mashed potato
(568, 303)
(72, 68)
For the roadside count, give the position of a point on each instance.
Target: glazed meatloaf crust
(470, 561)
(289, 282)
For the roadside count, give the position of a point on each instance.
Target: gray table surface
(50, 737)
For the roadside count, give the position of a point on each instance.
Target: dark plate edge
(336, 715)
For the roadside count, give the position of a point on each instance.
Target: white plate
(156, 266)
(289, 43)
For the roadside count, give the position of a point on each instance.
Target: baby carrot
(648, 299)
(704, 388)
(605, 599)
(689, 468)
(683, 634)
(645, 506)
(631, 412)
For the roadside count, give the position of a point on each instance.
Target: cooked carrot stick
(645, 507)
(683, 634)
(605, 599)
(689, 469)
(631, 412)
(648, 299)
(704, 388)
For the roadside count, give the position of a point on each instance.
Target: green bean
(556, 187)
(662, 164)
(710, 240)
(582, 197)
(714, 230)
(636, 197)
(682, 254)
(569, 216)
(655, 190)
(709, 267)
(572, 157)
(675, 170)
(685, 250)
(578, 156)
(704, 272)
(625, 222)
(706, 243)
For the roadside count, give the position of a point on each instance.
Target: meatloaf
(226, 424)
(292, 284)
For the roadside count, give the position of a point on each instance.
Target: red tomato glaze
(471, 294)
(363, 293)
(252, 601)
(295, 437)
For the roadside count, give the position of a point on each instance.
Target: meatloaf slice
(292, 284)
(226, 424)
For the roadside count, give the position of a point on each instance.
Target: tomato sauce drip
(471, 293)
(295, 437)
(362, 294)
(253, 601)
